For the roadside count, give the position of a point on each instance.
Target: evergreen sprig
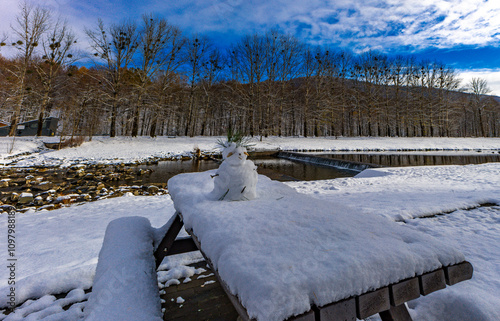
(236, 137)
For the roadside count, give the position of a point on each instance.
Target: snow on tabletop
(284, 251)
(125, 286)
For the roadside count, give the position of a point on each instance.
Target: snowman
(236, 178)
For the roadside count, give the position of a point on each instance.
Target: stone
(25, 198)
(152, 189)
(44, 186)
(38, 200)
(89, 176)
(84, 198)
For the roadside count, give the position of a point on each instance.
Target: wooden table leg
(168, 239)
(399, 313)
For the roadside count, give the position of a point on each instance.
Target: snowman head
(235, 155)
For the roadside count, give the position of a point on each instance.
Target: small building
(30, 128)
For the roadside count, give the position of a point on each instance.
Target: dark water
(275, 168)
(418, 159)
(287, 170)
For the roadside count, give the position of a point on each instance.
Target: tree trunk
(114, 112)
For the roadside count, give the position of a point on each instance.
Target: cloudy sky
(464, 34)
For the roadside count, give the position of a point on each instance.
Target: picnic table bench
(353, 288)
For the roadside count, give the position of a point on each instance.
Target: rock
(153, 189)
(47, 207)
(38, 200)
(25, 198)
(4, 182)
(83, 198)
(7, 208)
(77, 167)
(44, 186)
(66, 199)
(14, 197)
(89, 176)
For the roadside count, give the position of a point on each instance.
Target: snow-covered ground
(128, 149)
(57, 250)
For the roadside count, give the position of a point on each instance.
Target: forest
(150, 78)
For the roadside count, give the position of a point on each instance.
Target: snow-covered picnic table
(288, 254)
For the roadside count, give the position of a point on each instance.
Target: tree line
(149, 78)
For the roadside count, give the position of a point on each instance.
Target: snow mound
(285, 251)
(125, 286)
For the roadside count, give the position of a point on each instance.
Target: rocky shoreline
(51, 188)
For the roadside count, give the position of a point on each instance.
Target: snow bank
(408, 192)
(284, 251)
(11, 147)
(477, 234)
(125, 286)
(58, 249)
(129, 149)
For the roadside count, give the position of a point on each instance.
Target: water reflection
(397, 160)
(287, 170)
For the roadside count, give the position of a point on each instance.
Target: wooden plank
(182, 245)
(404, 291)
(308, 316)
(168, 239)
(344, 310)
(458, 273)
(432, 281)
(396, 313)
(372, 302)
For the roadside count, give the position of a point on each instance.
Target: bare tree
(198, 48)
(478, 87)
(115, 47)
(248, 59)
(31, 23)
(159, 47)
(56, 44)
(211, 73)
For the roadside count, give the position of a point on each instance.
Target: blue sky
(464, 34)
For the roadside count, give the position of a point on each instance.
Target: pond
(288, 170)
(275, 168)
(398, 159)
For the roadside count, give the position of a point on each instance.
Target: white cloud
(492, 76)
(419, 24)
(356, 24)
